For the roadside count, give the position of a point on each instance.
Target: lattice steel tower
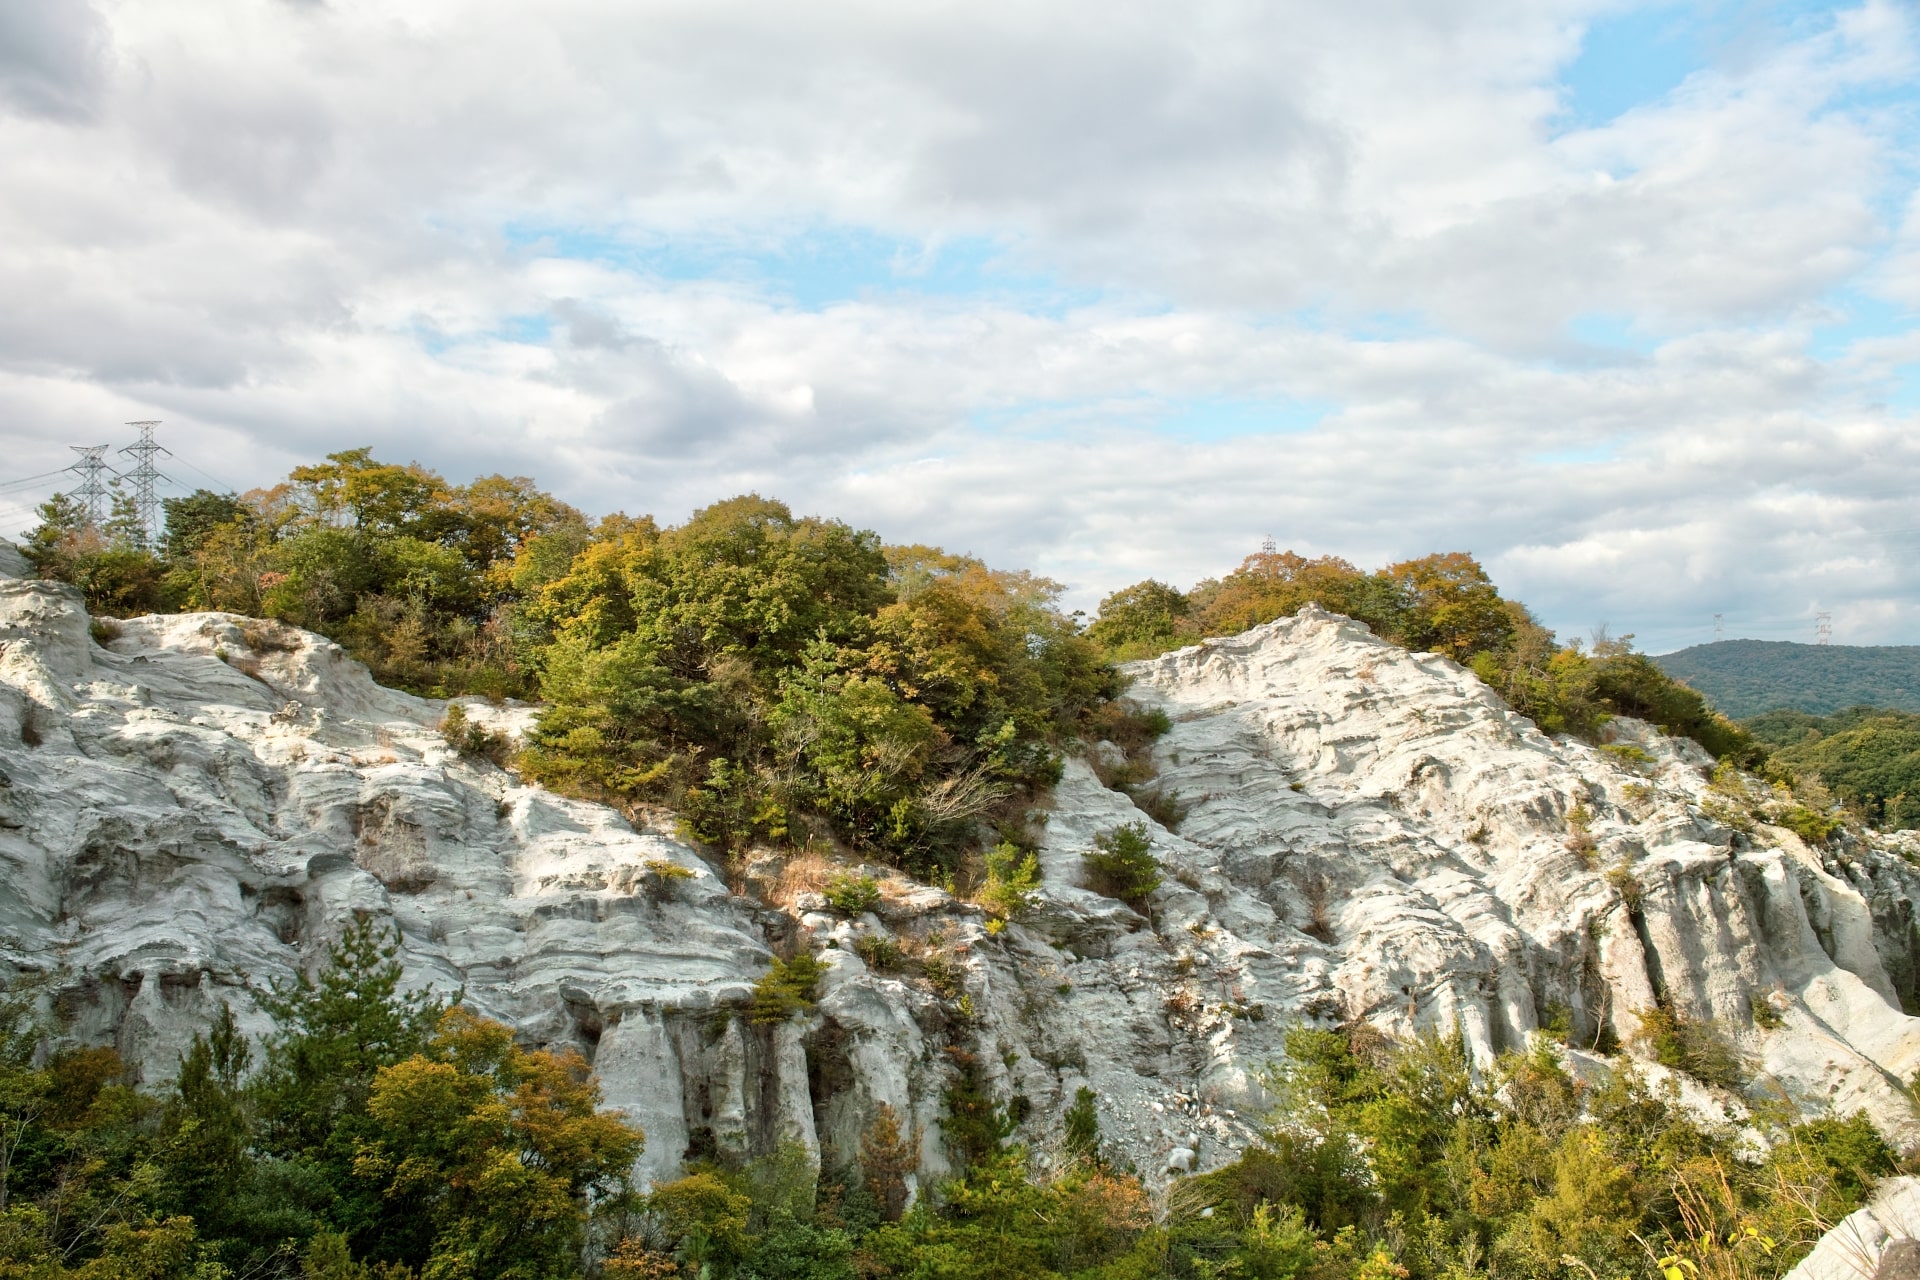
(92, 489)
(1823, 628)
(144, 476)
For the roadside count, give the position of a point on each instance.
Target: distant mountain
(1746, 677)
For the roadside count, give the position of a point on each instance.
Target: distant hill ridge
(1746, 677)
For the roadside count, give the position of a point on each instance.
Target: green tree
(487, 1158)
(337, 1029)
(1121, 863)
(205, 1129)
(1142, 620)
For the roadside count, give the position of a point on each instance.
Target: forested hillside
(1746, 677)
(797, 685)
(1869, 757)
(772, 677)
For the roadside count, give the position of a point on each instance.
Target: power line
(144, 475)
(91, 491)
(24, 481)
(225, 487)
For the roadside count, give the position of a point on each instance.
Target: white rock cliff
(192, 809)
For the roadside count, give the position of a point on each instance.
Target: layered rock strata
(191, 807)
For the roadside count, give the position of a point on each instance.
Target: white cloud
(294, 228)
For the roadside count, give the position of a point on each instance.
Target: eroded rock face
(193, 808)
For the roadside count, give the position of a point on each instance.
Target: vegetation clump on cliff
(1445, 604)
(769, 677)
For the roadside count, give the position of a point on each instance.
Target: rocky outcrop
(192, 806)
(1878, 1242)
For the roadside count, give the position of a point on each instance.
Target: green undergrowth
(379, 1135)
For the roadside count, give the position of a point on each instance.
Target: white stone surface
(190, 812)
(1851, 1251)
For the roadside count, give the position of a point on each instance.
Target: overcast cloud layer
(1109, 290)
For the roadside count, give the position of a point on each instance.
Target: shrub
(1013, 878)
(1082, 1125)
(1628, 754)
(880, 952)
(1122, 865)
(787, 988)
(1765, 1015)
(942, 974)
(1810, 825)
(663, 874)
(1627, 885)
(1162, 804)
(975, 1125)
(665, 869)
(1580, 841)
(852, 894)
(473, 741)
(1699, 1048)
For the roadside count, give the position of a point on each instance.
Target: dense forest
(1748, 677)
(792, 682)
(381, 1136)
(1868, 756)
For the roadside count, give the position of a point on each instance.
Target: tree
(337, 1029)
(887, 1158)
(205, 1130)
(1121, 863)
(191, 520)
(1144, 619)
(486, 1157)
(1449, 605)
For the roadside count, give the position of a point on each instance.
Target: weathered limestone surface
(1878, 1242)
(191, 810)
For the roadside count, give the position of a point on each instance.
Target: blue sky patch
(1630, 59)
(821, 266)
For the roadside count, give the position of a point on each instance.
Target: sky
(1622, 298)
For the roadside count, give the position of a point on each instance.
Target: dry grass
(802, 873)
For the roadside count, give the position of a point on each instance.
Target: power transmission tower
(1719, 630)
(144, 475)
(1823, 628)
(92, 489)
(1268, 546)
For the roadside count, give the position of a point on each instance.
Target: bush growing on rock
(1701, 1049)
(473, 741)
(1013, 878)
(786, 989)
(1121, 864)
(1444, 603)
(851, 894)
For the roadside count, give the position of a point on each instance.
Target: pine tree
(205, 1130)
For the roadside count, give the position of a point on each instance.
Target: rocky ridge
(192, 806)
